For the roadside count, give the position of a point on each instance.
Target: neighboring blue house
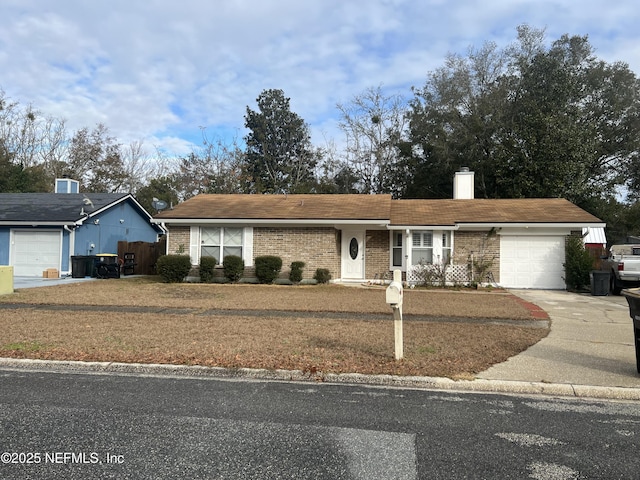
(44, 230)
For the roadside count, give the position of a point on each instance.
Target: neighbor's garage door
(532, 262)
(35, 251)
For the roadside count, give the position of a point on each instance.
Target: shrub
(578, 264)
(207, 268)
(295, 275)
(267, 268)
(173, 268)
(233, 267)
(322, 275)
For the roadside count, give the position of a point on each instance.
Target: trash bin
(599, 282)
(83, 266)
(633, 299)
(107, 265)
(78, 266)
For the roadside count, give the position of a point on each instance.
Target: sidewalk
(590, 343)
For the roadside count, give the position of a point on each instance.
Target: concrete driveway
(590, 343)
(31, 282)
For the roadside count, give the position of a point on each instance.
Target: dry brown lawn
(260, 326)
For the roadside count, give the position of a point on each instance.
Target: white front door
(352, 255)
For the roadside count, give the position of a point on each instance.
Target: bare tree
(373, 124)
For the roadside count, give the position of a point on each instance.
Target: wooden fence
(146, 254)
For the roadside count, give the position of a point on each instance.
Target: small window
(353, 248)
(446, 247)
(397, 249)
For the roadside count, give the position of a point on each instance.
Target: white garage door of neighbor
(532, 262)
(35, 251)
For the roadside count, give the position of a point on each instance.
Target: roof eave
(9, 223)
(532, 224)
(269, 221)
(422, 227)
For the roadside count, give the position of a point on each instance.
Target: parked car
(623, 263)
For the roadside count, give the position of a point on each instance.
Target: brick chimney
(463, 184)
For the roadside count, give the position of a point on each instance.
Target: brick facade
(376, 253)
(484, 246)
(178, 240)
(317, 247)
(320, 247)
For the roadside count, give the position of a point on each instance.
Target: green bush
(233, 267)
(295, 275)
(578, 264)
(322, 275)
(267, 268)
(207, 268)
(173, 268)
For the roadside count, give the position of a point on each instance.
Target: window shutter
(247, 250)
(194, 245)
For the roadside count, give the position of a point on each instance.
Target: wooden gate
(146, 254)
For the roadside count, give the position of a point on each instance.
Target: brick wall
(482, 245)
(376, 253)
(178, 238)
(317, 247)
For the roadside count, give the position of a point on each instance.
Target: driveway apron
(590, 343)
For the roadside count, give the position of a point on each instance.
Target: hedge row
(175, 268)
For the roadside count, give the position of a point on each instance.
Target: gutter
(270, 221)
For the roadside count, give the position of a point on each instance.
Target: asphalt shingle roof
(378, 207)
(52, 207)
(451, 212)
(282, 207)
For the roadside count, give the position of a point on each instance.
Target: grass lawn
(316, 329)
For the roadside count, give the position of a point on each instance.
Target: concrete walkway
(590, 343)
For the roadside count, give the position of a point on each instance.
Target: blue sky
(160, 70)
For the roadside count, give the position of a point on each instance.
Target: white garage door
(532, 262)
(35, 251)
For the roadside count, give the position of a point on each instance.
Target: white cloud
(162, 69)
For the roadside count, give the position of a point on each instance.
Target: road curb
(415, 382)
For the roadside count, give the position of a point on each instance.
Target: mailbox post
(394, 299)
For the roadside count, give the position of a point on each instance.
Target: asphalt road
(83, 426)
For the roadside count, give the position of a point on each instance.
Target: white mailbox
(394, 299)
(394, 294)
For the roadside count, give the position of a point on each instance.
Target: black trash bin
(599, 282)
(78, 266)
(83, 266)
(633, 299)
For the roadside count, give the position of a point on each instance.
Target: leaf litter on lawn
(214, 332)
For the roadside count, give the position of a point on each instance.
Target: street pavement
(589, 352)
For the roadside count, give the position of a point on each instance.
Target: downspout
(72, 244)
(166, 232)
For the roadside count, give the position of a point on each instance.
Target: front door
(352, 255)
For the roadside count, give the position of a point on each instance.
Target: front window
(422, 248)
(220, 242)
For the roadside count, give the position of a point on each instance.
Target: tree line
(531, 119)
